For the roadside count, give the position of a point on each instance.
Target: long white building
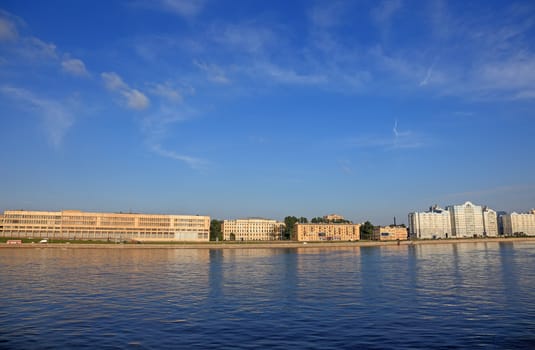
(515, 223)
(76, 224)
(253, 229)
(435, 223)
(457, 221)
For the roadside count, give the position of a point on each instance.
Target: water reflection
(454, 295)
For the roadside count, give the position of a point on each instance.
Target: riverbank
(255, 245)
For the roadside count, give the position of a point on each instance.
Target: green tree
(215, 230)
(366, 230)
(289, 222)
(303, 220)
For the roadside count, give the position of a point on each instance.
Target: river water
(465, 295)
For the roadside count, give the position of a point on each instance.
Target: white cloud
(183, 8)
(8, 30)
(286, 75)
(425, 81)
(56, 119)
(194, 163)
(167, 91)
(158, 126)
(134, 99)
(251, 38)
(384, 12)
(213, 72)
(327, 14)
(75, 67)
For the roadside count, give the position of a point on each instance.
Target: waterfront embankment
(253, 245)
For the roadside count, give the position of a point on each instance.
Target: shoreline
(261, 245)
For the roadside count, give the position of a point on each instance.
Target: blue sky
(369, 109)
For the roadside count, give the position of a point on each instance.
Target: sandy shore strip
(256, 245)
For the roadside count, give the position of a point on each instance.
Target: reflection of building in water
(519, 224)
(326, 232)
(253, 229)
(389, 233)
(75, 224)
(435, 223)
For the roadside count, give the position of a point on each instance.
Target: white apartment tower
(432, 224)
(515, 223)
(466, 220)
(490, 222)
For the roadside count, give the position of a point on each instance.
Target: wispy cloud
(425, 80)
(157, 128)
(183, 8)
(75, 67)
(8, 29)
(167, 91)
(284, 75)
(194, 163)
(385, 10)
(397, 140)
(327, 14)
(134, 99)
(250, 38)
(55, 117)
(213, 72)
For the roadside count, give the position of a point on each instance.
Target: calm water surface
(465, 295)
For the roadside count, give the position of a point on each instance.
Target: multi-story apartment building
(326, 232)
(466, 220)
(435, 223)
(253, 229)
(389, 233)
(490, 223)
(75, 224)
(515, 223)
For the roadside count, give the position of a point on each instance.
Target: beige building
(514, 223)
(326, 232)
(75, 224)
(490, 223)
(432, 224)
(389, 233)
(253, 229)
(333, 217)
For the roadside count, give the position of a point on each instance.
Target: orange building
(389, 233)
(326, 232)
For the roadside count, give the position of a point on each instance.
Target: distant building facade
(466, 220)
(515, 224)
(326, 232)
(389, 233)
(75, 224)
(253, 229)
(490, 223)
(333, 217)
(432, 224)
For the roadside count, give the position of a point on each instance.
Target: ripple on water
(447, 296)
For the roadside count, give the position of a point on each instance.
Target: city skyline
(240, 109)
